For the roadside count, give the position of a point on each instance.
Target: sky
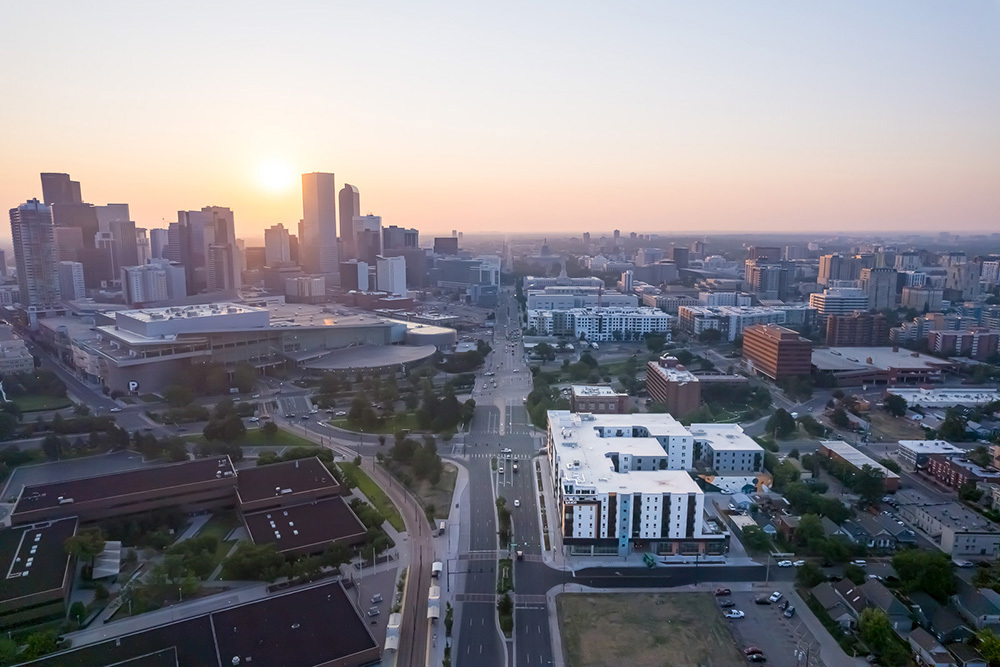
(552, 117)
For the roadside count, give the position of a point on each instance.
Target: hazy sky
(569, 117)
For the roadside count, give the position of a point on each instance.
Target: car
(799, 563)
(775, 596)
(265, 416)
(376, 598)
(963, 563)
(147, 429)
(340, 413)
(859, 563)
(756, 657)
(734, 613)
(329, 411)
(784, 563)
(750, 650)
(784, 605)
(313, 411)
(374, 611)
(115, 410)
(254, 420)
(517, 503)
(289, 416)
(790, 612)
(255, 396)
(761, 600)
(305, 416)
(720, 592)
(181, 429)
(725, 604)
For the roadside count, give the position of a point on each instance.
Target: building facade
(669, 383)
(776, 352)
(35, 254)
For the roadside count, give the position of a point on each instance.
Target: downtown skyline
(839, 116)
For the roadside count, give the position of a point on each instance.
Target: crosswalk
(478, 555)
(476, 597)
(529, 600)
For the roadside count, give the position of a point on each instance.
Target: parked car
(784, 605)
(376, 598)
(374, 611)
(756, 657)
(775, 596)
(790, 612)
(719, 592)
(750, 650)
(799, 563)
(517, 503)
(762, 600)
(340, 413)
(859, 563)
(784, 563)
(115, 410)
(727, 603)
(734, 613)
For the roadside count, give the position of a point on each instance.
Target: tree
(929, 571)
(655, 343)
(839, 418)
(710, 336)
(336, 554)
(39, 644)
(809, 575)
(178, 396)
(780, 423)
(989, 645)
(253, 562)
(869, 484)
(970, 493)
(755, 538)
(954, 427)
(810, 527)
(875, 628)
(895, 405)
(87, 544)
(270, 429)
(244, 377)
(855, 573)
(53, 445)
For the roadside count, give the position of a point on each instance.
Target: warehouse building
(841, 451)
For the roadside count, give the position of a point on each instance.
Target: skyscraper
(368, 237)
(115, 218)
(3, 265)
(390, 275)
(71, 285)
(142, 245)
(158, 241)
(350, 208)
(397, 238)
(318, 230)
(276, 245)
(33, 234)
(880, 286)
(59, 189)
(205, 243)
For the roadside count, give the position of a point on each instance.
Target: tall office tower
(354, 275)
(106, 263)
(368, 237)
(397, 238)
(144, 284)
(159, 239)
(176, 277)
(880, 286)
(627, 281)
(256, 257)
(908, 261)
(681, 257)
(445, 245)
(586, 237)
(318, 229)
(177, 242)
(206, 243)
(276, 245)
(618, 236)
(830, 268)
(793, 252)
(35, 253)
(126, 239)
(963, 280)
(772, 253)
(990, 273)
(71, 286)
(3, 265)
(142, 245)
(766, 279)
(59, 189)
(390, 275)
(69, 243)
(350, 208)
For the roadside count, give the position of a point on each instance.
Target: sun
(275, 176)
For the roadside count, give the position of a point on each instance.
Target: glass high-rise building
(36, 254)
(318, 229)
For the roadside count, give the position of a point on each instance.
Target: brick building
(956, 473)
(858, 329)
(668, 382)
(598, 399)
(776, 352)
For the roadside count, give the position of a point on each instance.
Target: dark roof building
(307, 528)
(312, 627)
(38, 573)
(193, 486)
(282, 484)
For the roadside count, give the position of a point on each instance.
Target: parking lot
(766, 627)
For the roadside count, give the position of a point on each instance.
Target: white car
(500, 470)
(734, 613)
(775, 596)
(254, 420)
(799, 563)
(517, 503)
(115, 410)
(784, 563)
(340, 413)
(859, 563)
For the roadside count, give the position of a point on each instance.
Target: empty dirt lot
(664, 629)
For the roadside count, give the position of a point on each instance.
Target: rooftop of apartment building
(931, 447)
(855, 457)
(959, 518)
(594, 390)
(947, 396)
(879, 358)
(724, 437)
(585, 454)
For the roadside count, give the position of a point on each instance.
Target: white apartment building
(71, 285)
(727, 449)
(668, 303)
(990, 274)
(621, 486)
(730, 320)
(565, 297)
(14, 354)
(601, 324)
(717, 299)
(277, 245)
(839, 301)
(390, 275)
(144, 284)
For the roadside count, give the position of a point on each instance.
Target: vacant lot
(891, 428)
(671, 630)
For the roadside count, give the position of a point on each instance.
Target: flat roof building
(288, 483)
(194, 486)
(841, 451)
(621, 486)
(727, 449)
(38, 572)
(854, 366)
(306, 529)
(945, 397)
(776, 352)
(956, 530)
(917, 453)
(669, 383)
(598, 399)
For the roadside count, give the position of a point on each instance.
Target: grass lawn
(671, 629)
(38, 402)
(256, 438)
(439, 495)
(149, 398)
(375, 494)
(397, 422)
(219, 526)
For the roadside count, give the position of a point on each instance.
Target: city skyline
(650, 118)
